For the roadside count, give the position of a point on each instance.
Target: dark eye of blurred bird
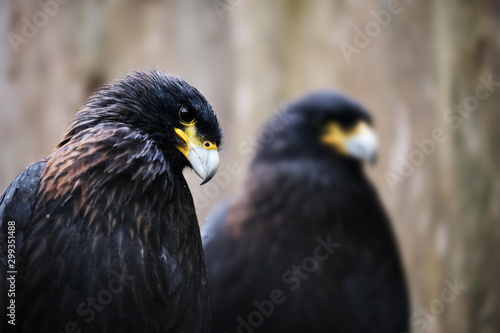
(305, 245)
(107, 238)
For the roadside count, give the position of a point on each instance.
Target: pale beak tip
(205, 180)
(205, 163)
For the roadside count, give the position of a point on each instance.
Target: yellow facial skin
(335, 136)
(359, 142)
(201, 154)
(191, 138)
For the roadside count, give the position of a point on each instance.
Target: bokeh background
(250, 56)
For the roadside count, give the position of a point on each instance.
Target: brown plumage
(106, 231)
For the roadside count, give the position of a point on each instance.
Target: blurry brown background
(419, 63)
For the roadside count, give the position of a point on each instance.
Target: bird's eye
(186, 115)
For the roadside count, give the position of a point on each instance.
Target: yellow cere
(190, 136)
(334, 134)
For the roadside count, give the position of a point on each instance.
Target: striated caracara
(104, 229)
(305, 245)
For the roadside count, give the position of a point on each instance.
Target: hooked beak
(204, 162)
(363, 145)
(202, 155)
(360, 142)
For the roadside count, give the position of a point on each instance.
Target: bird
(104, 231)
(305, 244)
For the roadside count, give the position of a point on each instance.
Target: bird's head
(163, 108)
(321, 125)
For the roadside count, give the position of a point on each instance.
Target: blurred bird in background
(305, 246)
(106, 234)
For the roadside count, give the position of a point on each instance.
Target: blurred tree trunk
(476, 53)
(451, 202)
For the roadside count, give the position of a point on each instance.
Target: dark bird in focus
(305, 245)
(105, 235)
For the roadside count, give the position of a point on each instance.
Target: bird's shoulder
(16, 209)
(18, 200)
